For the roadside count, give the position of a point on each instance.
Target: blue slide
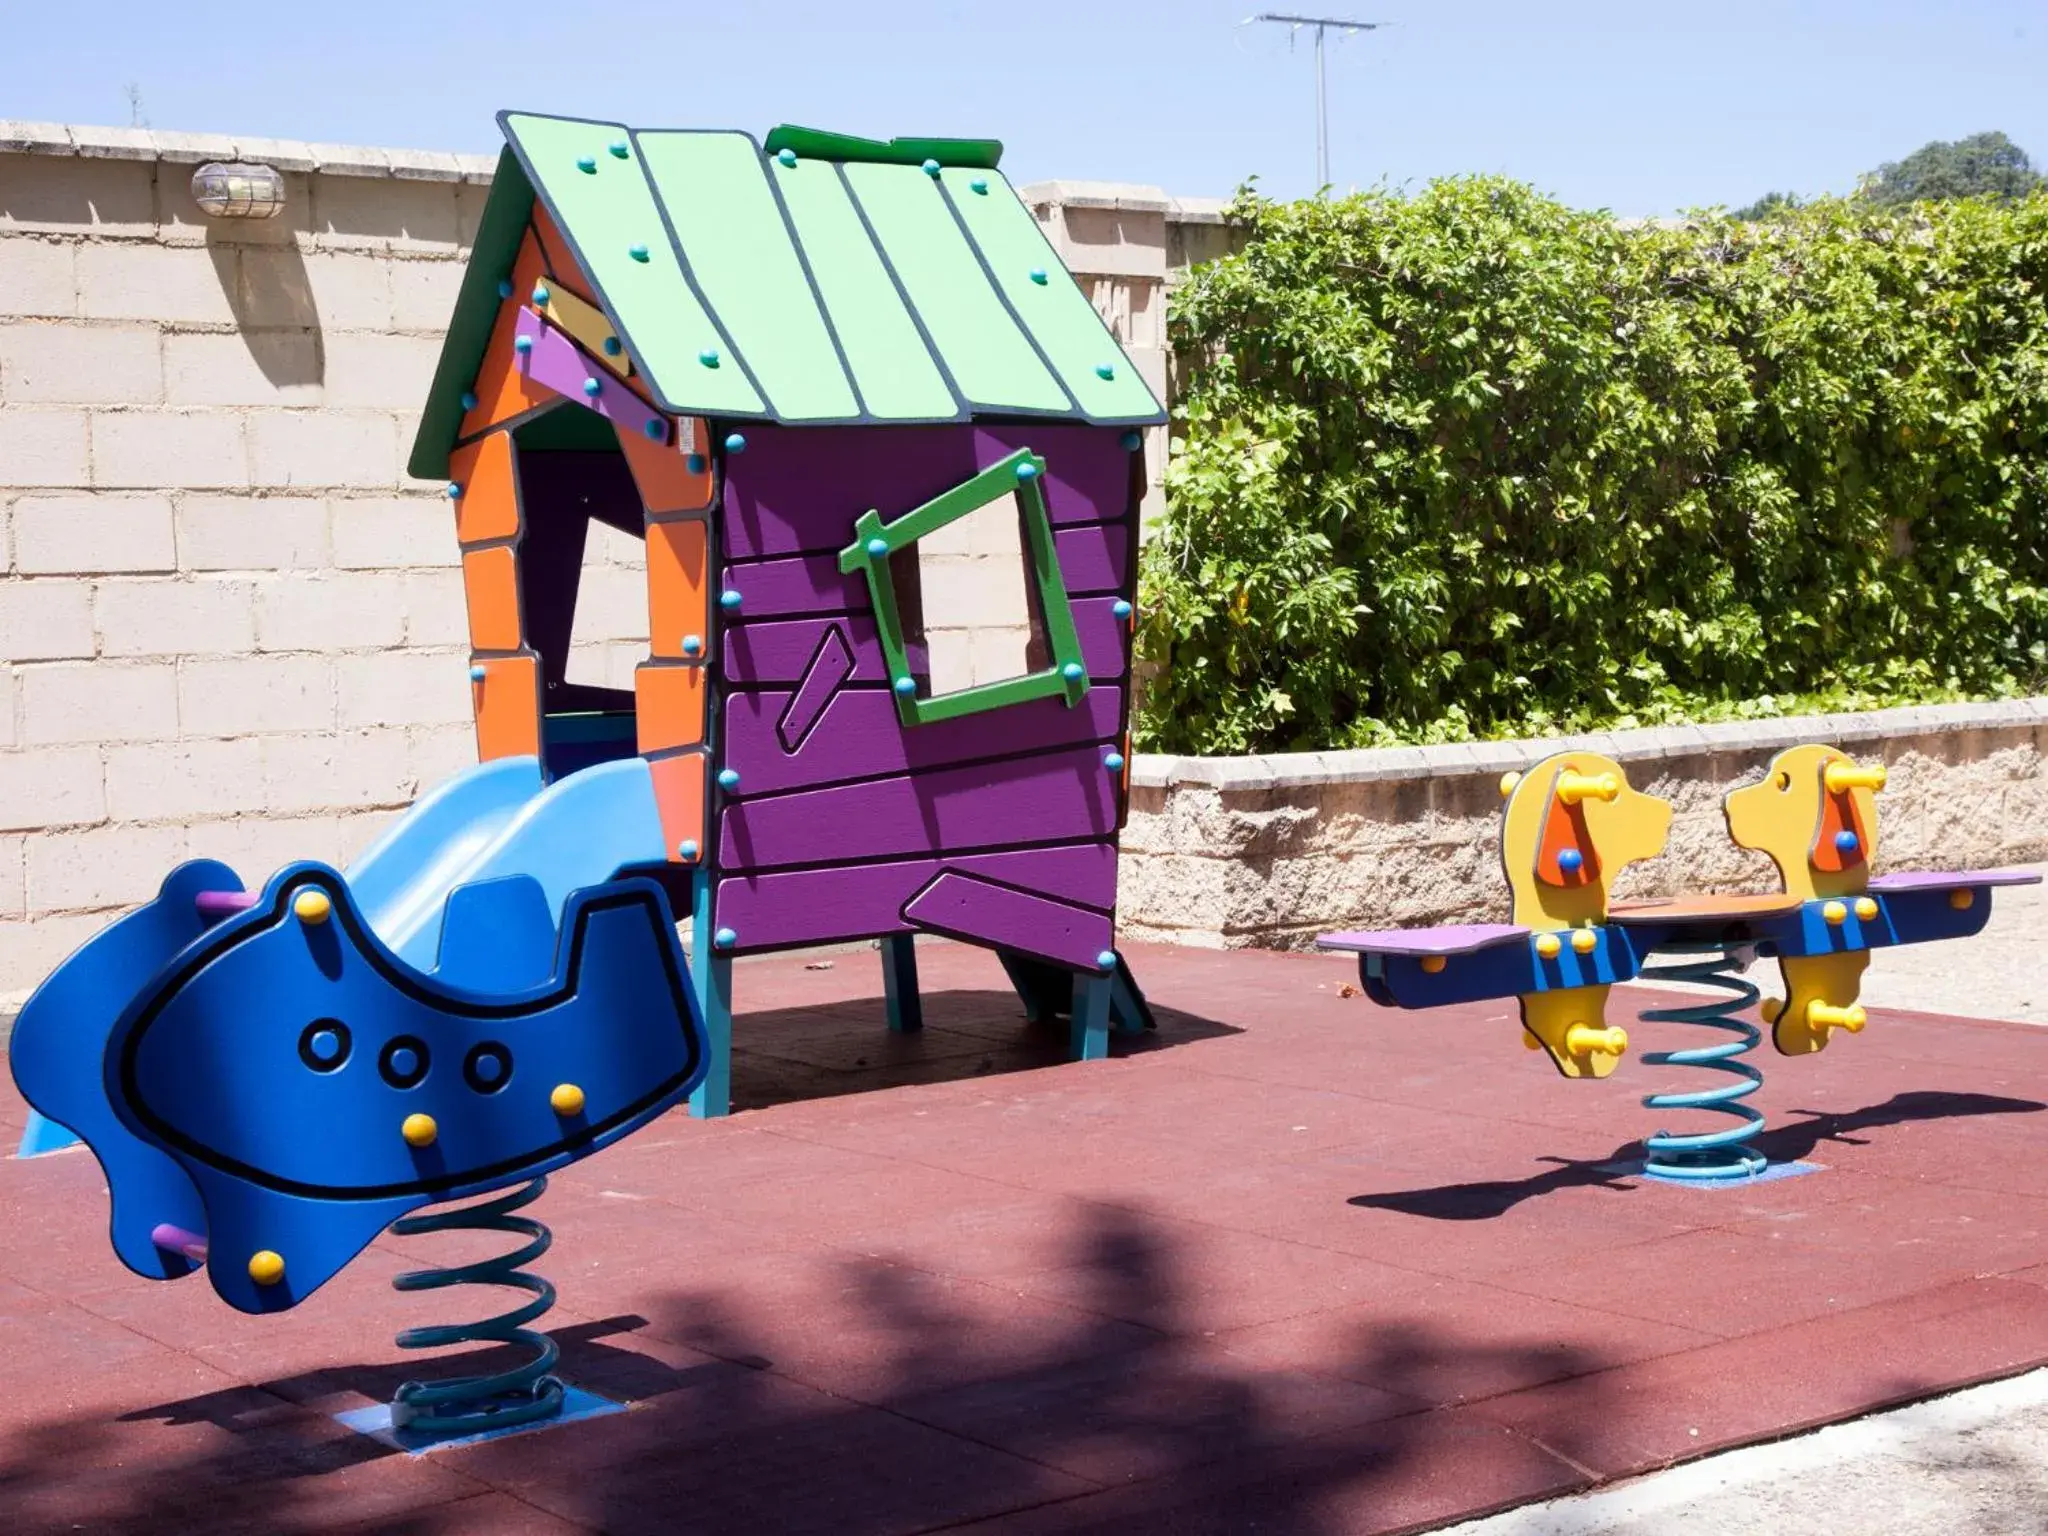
(489, 944)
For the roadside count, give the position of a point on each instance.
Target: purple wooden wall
(998, 827)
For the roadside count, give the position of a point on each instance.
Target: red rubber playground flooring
(1296, 1264)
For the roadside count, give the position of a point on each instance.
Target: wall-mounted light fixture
(238, 190)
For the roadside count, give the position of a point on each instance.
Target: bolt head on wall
(238, 190)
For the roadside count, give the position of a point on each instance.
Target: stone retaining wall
(1271, 851)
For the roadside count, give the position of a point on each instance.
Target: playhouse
(784, 365)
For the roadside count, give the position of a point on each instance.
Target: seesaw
(1573, 823)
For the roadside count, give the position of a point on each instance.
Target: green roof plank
(605, 207)
(992, 361)
(738, 246)
(891, 363)
(1047, 300)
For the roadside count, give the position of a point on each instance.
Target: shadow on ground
(1486, 1200)
(822, 1050)
(939, 1420)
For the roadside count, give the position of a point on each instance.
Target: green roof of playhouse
(816, 279)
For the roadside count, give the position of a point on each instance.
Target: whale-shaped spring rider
(1573, 822)
(270, 1079)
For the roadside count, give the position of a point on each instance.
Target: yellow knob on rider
(1585, 940)
(1827, 1016)
(1574, 787)
(1508, 781)
(1842, 777)
(1866, 908)
(1584, 1040)
(1835, 913)
(1548, 945)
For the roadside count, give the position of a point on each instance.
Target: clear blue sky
(1637, 105)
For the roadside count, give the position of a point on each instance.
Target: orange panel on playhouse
(679, 795)
(663, 471)
(669, 700)
(501, 390)
(486, 490)
(507, 703)
(490, 584)
(678, 589)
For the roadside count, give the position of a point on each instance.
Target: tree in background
(1771, 205)
(1983, 165)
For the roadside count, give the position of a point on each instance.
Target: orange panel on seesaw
(490, 585)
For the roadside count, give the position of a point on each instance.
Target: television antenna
(1322, 24)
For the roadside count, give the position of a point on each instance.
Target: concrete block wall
(230, 626)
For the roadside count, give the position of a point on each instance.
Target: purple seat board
(779, 652)
(1935, 879)
(857, 735)
(1094, 558)
(557, 363)
(864, 901)
(1052, 797)
(1460, 939)
(798, 490)
(1003, 918)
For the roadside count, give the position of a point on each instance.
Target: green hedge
(1473, 464)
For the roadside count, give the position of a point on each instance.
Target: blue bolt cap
(1105, 370)
(619, 149)
(1846, 841)
(1106, 960)
(735, 443)
(1114, 762)
(1133, 441)
(787, 157)
(540, 293)
(1073, 671)
(1027, 471)
(504, 288)
(587, 164)
(591, 387)
(612, 347)
(725, 938)
(878, 547)
(637, 251)
(906, 686)
(687, 848)
(1038, 276)
(655, 428)
(728, 778)
(931, 168)
(1120, 608)
(468, 400)
(454, 489)
(708, 357)
(1569, 859)
(692, 645)
(728, 598)
(476, 674)
(694, 463)
(978, 186)
(522, 344)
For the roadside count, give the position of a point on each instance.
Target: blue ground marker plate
(375, 1421)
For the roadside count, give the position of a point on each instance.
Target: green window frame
(1022, 475)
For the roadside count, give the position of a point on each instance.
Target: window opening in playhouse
(976, 561)
(581, 586)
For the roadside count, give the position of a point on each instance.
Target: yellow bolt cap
(1835, 912)
(567, 1099)
(1962, 900)
(1770, 1008)
(312, 906)
(1574, 787)
(1825, 1015)
(1584, 1039)
(1841, 776)
(1508, 781)
(1585, 941)
(419, 1130)
(1547, 945)
(265, 1267)
(1432, 963)
(1866, 907)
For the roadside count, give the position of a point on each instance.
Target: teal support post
(711, 975)
(899, 983)
(1091, 1017)
(41, 1135)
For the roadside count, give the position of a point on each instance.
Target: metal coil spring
(1722, 1154)
(466, 1405)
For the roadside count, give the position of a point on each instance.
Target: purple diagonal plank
(1934, 879)
(858, 735)
(1056, 797)
(830, 667)
(1002, 918)
(557, 363)
(865, 901)
(1460, 939)
(779, 651)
